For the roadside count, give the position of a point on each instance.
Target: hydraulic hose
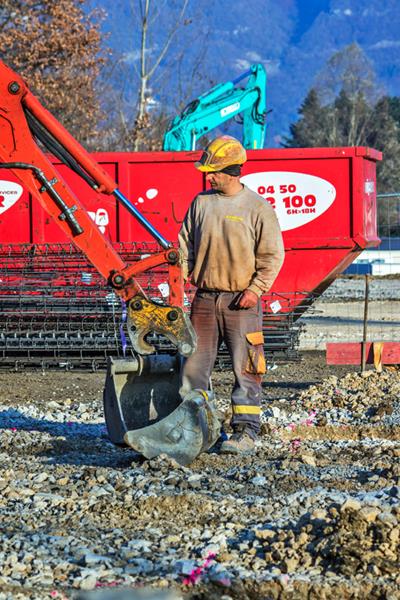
(52, 145)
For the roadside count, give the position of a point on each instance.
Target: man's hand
(248, 299)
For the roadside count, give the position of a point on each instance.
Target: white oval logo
(10, 192)
(297, 198)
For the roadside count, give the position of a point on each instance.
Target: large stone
(308, 459)
(290, 564)
(264, 534)
(351, 504)
(369, 513)
(387, 518)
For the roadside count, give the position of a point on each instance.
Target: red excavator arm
(24, 122)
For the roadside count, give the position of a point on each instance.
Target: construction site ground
(314, 513)
(338, 315)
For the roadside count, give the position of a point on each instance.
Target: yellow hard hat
(222, 152)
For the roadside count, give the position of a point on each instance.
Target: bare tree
(149, 12)
(348, 85)
(350, 118)
(146, 75)
(56, 47)
(348, 70)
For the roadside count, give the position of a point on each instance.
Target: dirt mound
(344, 540)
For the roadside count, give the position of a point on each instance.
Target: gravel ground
(343, 322)
(315, 513)
(348, 287)
(338, 315)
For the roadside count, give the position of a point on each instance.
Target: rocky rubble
(366, 397)
(347, 539)
(314, 513)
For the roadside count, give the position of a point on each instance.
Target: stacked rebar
(55, 309)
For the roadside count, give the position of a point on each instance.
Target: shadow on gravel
(62, 452)
(298, 385)
(14, 419)
(85, 444)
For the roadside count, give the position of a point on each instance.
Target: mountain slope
(224, 38)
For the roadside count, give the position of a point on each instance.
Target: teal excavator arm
(221, 103)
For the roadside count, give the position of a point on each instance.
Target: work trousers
(216, 318)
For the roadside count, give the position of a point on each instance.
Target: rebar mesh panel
(55, 308)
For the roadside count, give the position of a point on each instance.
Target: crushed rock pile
(364, 405)
(347, 540)
(362, 396)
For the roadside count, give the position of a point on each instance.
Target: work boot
(240, 442)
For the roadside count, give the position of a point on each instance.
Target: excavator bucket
(143, 409)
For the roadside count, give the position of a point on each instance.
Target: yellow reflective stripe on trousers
(244, 409)
(203, 393)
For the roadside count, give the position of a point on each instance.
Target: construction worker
(232, 249)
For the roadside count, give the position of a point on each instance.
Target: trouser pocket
(255, 359)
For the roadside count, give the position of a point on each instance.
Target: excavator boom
(142, 404)
(221, 103)
(24, 122)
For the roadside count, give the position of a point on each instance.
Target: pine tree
(309, 129)
(352, 117)
(394, 109)
(385, 137)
